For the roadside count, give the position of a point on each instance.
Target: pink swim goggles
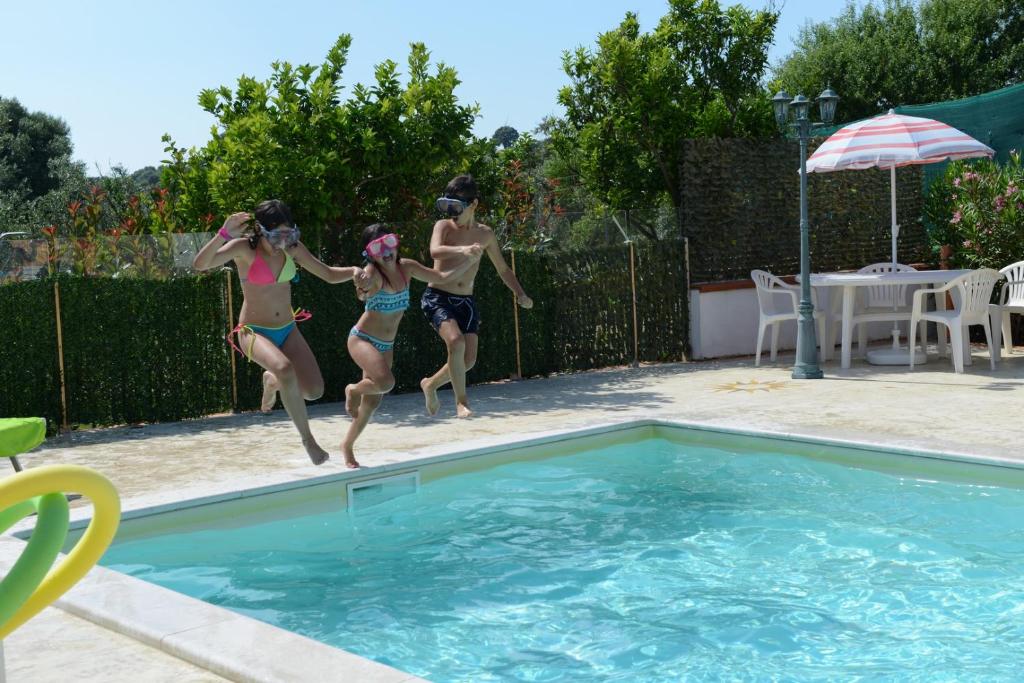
(382, 246)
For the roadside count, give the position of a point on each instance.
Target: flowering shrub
(110, 234)
(526, 201)
(978, 209)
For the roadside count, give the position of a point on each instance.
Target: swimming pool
(671, 554)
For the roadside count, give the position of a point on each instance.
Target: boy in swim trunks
(449, 304)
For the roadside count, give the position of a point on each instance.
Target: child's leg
(270, 358)
(377, 377)
(453, 371)
(364, 410)
(442, 376)
(367, 406)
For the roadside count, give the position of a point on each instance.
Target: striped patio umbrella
(893, 140)
(889, 141)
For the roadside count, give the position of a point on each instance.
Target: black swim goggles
(451, 206)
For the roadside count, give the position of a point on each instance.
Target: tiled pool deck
(930, 408)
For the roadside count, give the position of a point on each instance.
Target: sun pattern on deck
(751, 387)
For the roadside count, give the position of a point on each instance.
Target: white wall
(724, 323)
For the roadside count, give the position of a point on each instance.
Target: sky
(122, 74)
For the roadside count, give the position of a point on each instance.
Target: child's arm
(219, 250)
(440, 250)
(331, 274)
(368, 283)
(421, 272)
(506, 274)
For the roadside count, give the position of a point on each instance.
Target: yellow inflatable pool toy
(31, 584)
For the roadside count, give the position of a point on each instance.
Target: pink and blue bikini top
(261, 274)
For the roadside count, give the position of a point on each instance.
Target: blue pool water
(644, 562)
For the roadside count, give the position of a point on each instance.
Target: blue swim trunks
(439, 306)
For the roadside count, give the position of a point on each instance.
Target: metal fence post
(60, 356)
(515, 317)
(231, 351)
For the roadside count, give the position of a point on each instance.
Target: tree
(971, 47)
(29, 143)
(901, 52)
(38, 177)
(632, 100)
(383, 154)
(146, 178)
(505, 136)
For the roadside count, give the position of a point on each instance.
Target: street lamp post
(806, 366)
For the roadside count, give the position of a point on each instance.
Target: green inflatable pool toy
(20, 434)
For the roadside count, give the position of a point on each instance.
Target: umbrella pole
(895, 231)
(895, 228)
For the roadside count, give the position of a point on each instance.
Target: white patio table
(849, 283)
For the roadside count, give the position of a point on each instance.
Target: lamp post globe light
(806, 366)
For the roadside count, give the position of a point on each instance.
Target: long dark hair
(271, 213)
(376, 231)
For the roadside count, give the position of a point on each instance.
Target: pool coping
(220, 640)
(142, 506)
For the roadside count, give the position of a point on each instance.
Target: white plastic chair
(1011, 300)
(883, 303)
(777, 302)
(972, 294)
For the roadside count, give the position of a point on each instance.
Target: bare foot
(462, 410)
(269, 392)
(350, 458)
(352, 401)
(430, 394)
(318, 455)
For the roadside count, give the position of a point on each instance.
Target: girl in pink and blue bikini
(267, 333)
(385, 291)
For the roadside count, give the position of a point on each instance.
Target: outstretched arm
(440, 250)
(506, 274)
(224, 245)
(421, 272)
(331, 274)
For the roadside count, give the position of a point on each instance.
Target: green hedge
(29, 375)
(146, 351)
(741, 211)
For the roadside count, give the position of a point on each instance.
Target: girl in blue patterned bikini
(371, 342)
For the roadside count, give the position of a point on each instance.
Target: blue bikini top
(388, 302)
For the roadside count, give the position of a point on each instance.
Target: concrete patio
(930, 408)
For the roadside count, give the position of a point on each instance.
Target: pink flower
(967, 244)
(1011, 190)
(1000, 203)
(957, 216)
(956, 182)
